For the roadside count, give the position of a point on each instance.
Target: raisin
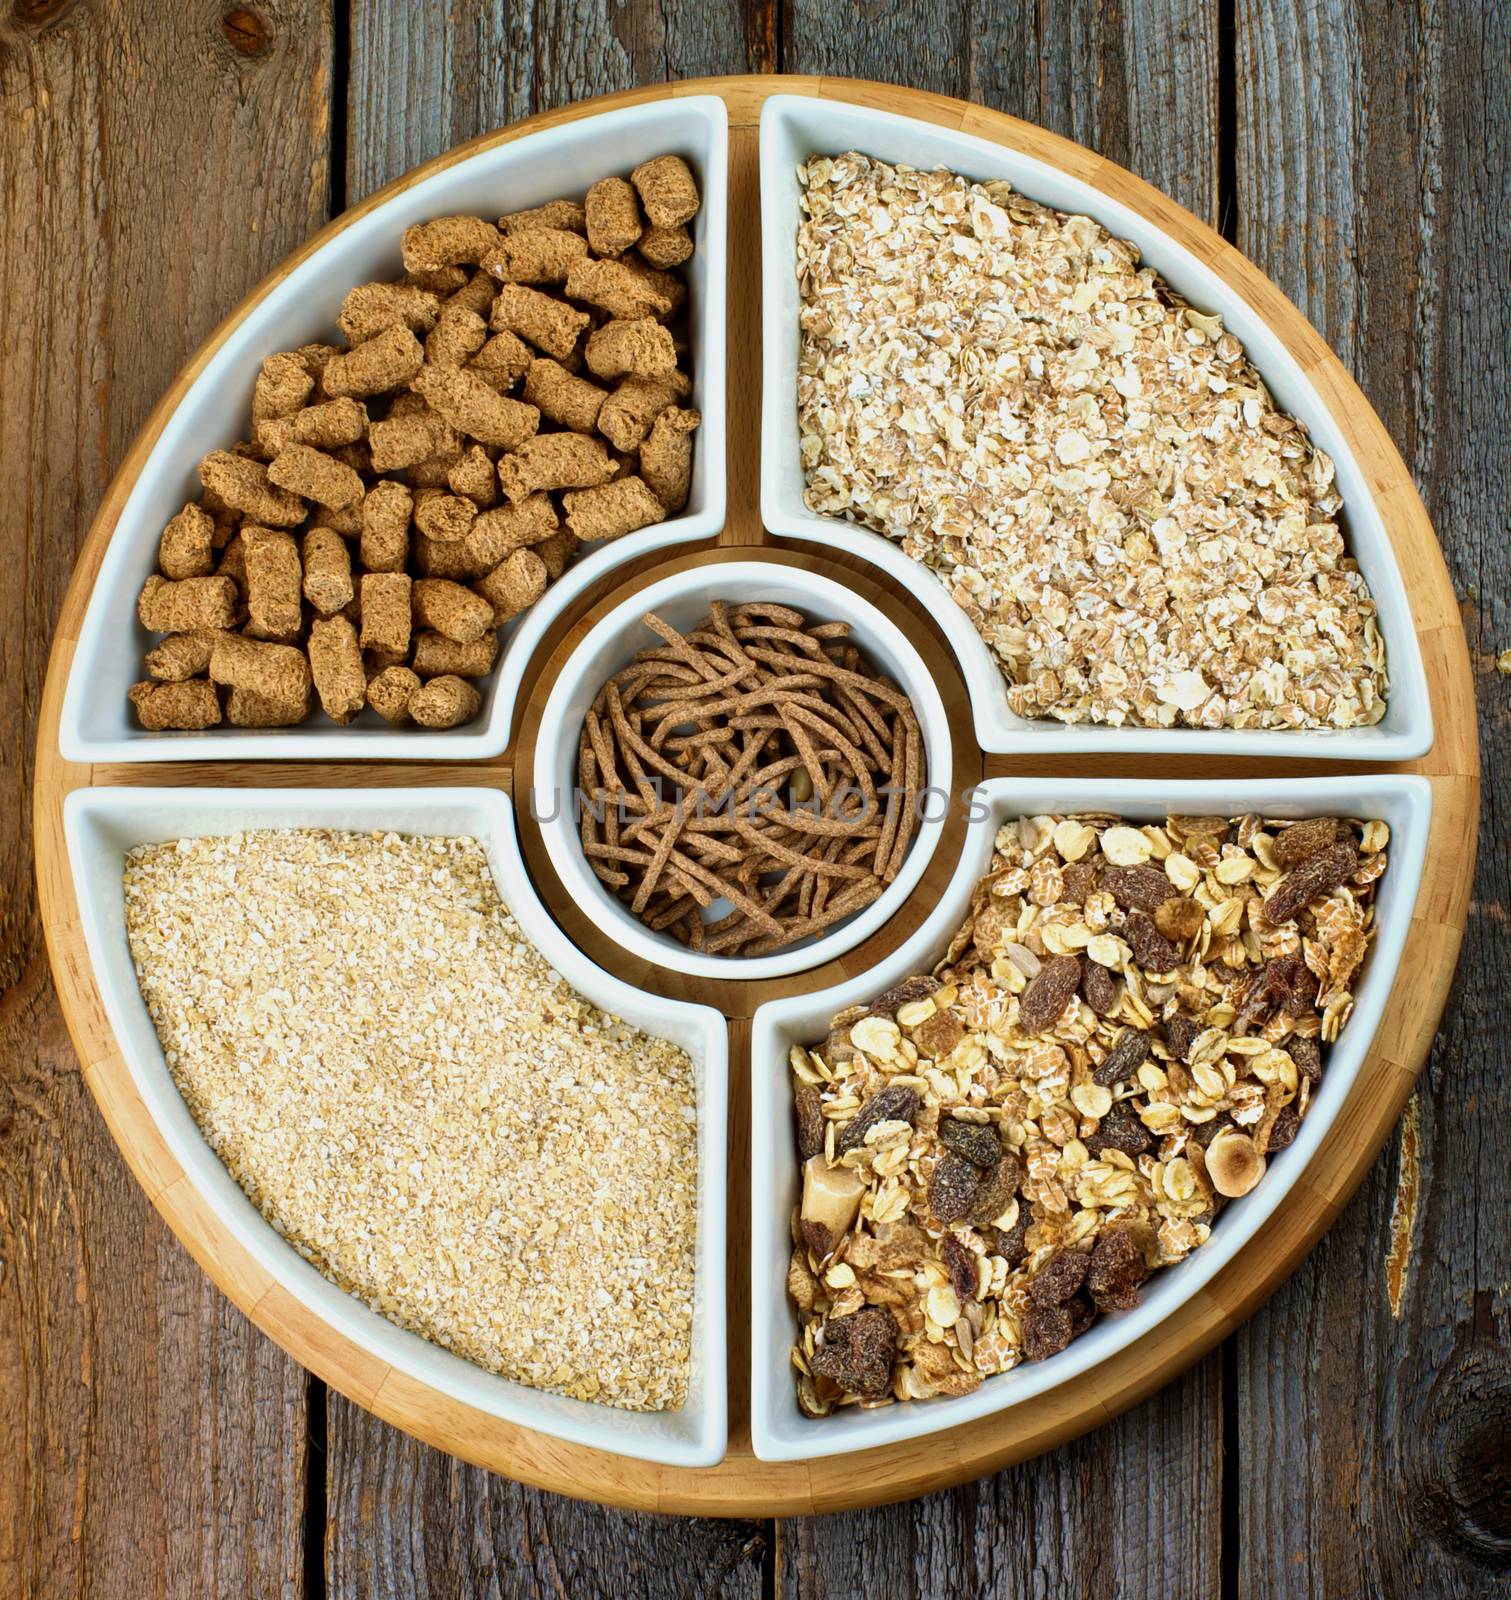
(1100, 988)
(999, 1183)
(1059, 1278)
(1047, 993)
(858, 1350)
(810, 1121)
(1046, 1332)
(897, 1103)
(1080, 880)
(1205, 1132)
(1142, 888)
(901, 994)
(1315, 877)
(1302, 840)
(1151, 949)
(1127, 1055)
(1180, 919)
(960, 1263)
(1283, 1130)
(1291, 983)
(1180, 1034)
(952, 1189)
(1307, 1054)
(937, 1036)
(1121, 1130)
(1214, 827)
(1117, 1269)
(976, 1141)
(1012, 1243)
(1082, 1314)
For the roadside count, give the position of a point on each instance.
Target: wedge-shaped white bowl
(98, 725)
(103, 824)
(793, 127)
(682, 599)
(779, 1431)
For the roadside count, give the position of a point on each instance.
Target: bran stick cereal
(283, 385)
(666, 247)
(444, 702)
(667, 190)
(304, 470)
(191, 705)
(278, 672)
(561, 397)
(336, 666)
(612, 216)
(451, 609)
(635, 404)
(618, 289)
(245, 708)
(188, 606)
(513, 586)
(473, 408)
(502, 362)
(448, 242)
(473, 476)
(372, 307)
(389, 691)
(640, 346)
(666, 457)
(327, 571)
(612, 510)
(386, 361)
(179, 657)
(553, 461)
(386, 511)
(187, 546)
(459, 334)
(274, 583)
(569, 214)
(435, 655)
(386, 612)
(538, 319)
(442, 516)
(243, 486)
(538, 255)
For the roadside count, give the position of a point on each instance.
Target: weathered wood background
(157, 159)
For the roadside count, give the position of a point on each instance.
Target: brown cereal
(245, 708)
(336, 666)
(329, 424)
(410, 435)
(612, 217)
(444, 702)
(475, 295)
(612, 509)
(386, 361)
(389, 692)
(667, 190)
(507, 528)
(666, 247)
(386, 511)
(443, 516)
(451, 609)
(556, 551)
(448, 242)
(243, 486)
(475, 409)
(458, 335)
(283, 385)
(192, 704)
(386, 612)
(632, 408)
(553, 214)
(278, 672)
(640, 346)
(187, 606)
(502, 362)
(539, 319)
(473, 476)
(274, 583)
(617, 289)
(562, 398)
(513, 586)
(187, 546)
(553, 461)
(180, 656)
(538, 255)
(303, 470)
(327, 570)
(371, 308)
(666, 457)
(435, 655)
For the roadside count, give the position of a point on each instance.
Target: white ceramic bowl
(794, 127)
(779, 1431)
(96, 723)
(683, 600)
(103, 824)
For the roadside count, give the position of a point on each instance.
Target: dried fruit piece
(1116, 1271)
(898, 1102)
(960, 1263)
(810, 1120)
(1047, 994)
(1046, 1332)
(1180, 1034)
(1307, 1054)
(1059, 1278)
(886, 1003)
(1151, 949)
(999, 1183)
(937, 1036)
(1284, 1128)
(1319, 875)
(952, 1189)
(1139, 888)
(858, 1351)
(1012, 1243)
(1080, 880)
(1129, 1052)
(1234, 1164)
(1180, 918)
(831, 1198)
(976, 1141)
(1121, 1130)
(1099, 988)
(1302, 840)
(802, 1283)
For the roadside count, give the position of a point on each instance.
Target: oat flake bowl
(103, 824)
(793, 128)
(779, 1429)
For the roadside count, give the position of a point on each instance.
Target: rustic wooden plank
(426, 76)
(1374, 1393)
(406, 1520)
(1136, 1508)
(1136, 82)
(152, 1439)
(403, 1518)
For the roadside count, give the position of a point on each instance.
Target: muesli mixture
(519, 392)
(1130, 1022)
(426, 1110)
(1092, 467)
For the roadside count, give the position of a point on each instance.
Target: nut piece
(1233, 1163)
(831, 1199)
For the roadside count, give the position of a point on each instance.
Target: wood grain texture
(1083, 70)
(151, 1442)
(1374, 1393)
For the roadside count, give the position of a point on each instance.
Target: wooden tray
(741, 1485)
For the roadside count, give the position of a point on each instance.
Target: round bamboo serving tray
(741, 1485)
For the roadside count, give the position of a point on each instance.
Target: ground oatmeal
(1093, 468)
(423, 1107)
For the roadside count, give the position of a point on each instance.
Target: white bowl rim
(489, 737)
(560, 832)
(998, 730)
(626, 1433)
(775, 1435)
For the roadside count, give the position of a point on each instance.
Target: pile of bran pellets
(519, 392)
